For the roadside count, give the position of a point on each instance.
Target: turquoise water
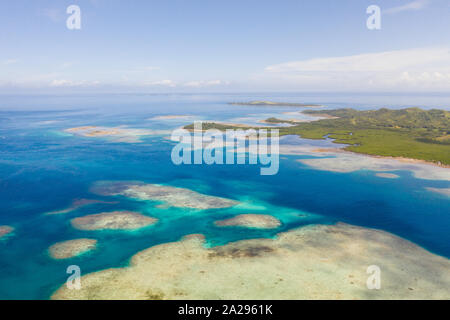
(44, 169)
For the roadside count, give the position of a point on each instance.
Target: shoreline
(431, 155)
(401, 159)
(340, 150)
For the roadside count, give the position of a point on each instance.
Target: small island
(259, 221)
(275, 104)
(71, 248)
(115, 220)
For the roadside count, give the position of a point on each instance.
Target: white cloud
(31, 80)
(411, 6)
(380, 61)
(423, 69)
(70, 83)
(188, 84)
(167, 83)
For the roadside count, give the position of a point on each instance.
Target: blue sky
(208, 45)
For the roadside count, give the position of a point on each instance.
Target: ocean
(44, 168)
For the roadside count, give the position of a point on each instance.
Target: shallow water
(43, 169)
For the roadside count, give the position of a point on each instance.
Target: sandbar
(387, 175)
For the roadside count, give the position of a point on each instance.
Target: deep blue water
(44, 169)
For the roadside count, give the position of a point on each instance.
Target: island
(410, 133)
(275, 104)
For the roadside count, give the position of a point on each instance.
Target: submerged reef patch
(314, 262)
(5, 230)
(117, 134)
(78, 203)
(443, 191)
(170, 196)
(260, 221)
(115, 220)
(71, 248)
(348, 162)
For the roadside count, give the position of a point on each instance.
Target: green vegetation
(275, 120)
(410, 133)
